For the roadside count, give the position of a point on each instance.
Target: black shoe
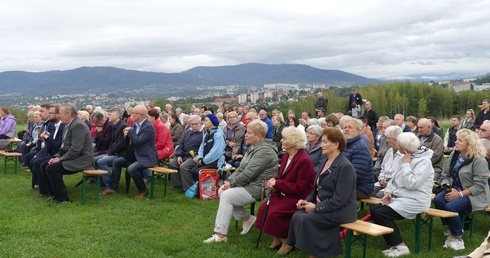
(62, 202)
(277, 247)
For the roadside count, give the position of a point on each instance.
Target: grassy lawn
(120, 226)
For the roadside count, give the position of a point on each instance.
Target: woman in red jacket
(294, 182)
(163, 139)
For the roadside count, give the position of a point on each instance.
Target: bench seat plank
(368, 228)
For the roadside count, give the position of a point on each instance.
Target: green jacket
(258, 165)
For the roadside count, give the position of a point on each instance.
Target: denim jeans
(458, 205)
(104, 162)
(117, 165)
(136, 170)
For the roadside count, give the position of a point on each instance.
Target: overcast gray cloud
(376, 38)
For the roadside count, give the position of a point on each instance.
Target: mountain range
(109, 79)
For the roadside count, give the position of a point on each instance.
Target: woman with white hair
(314, 145)
(465, 176)
(391, 162)
(293, 182)
(407, 194)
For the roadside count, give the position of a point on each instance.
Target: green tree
(422, 108)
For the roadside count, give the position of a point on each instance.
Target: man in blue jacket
(357, 152)
(185, 152)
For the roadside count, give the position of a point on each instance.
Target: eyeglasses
(194, 123)
(481, 130)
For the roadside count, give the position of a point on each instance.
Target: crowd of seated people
(312, 150)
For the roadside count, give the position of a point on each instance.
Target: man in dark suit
(75, 154)
(370, 115)
(52, 140)
(142, 136)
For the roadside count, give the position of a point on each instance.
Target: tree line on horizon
(388, 99)
(407, 98)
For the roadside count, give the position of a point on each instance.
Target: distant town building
(267, 94)
(242, 98)
(481, 87)
(460, 85)
(254, 97)
(281, 86)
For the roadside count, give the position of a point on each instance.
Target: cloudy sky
(375, 38)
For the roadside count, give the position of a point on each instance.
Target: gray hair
(164, 115)
(70, 108)
(346, 119)
(194, 118)
(408, 141)
(321, 121)
(316, 129)
(97, 116)
(116, 110)
(312, 121)
(393, 131)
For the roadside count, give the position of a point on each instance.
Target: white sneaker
(215, 239)
(448, 239)
(398, 251)
(448, 232)
(247, 225)
(389, 250)
(454, 243)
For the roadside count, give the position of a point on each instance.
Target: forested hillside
(417, 99)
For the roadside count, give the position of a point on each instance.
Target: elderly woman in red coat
(293, 182)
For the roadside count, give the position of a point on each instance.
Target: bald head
(424, 126)
(139, 113)
(484, 131)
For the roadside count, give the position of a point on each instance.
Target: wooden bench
(9, 156)
(13, 141)
(426, 219)
(422, 219)
(358, 230)
(470, 215)
(160, 172)
(92, 173)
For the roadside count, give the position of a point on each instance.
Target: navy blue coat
(357, 152)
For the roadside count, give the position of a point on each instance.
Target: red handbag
(208, 184)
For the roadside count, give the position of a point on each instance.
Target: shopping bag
(208, 184)
(192, 191)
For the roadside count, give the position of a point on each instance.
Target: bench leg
(152, 184)
(15, 165)
(418, 225)
(431, 220)
(127, 177)
(97, 189)
(165, 179)
(84, 188)
(5, 165)
(348, 244)
(472, 224)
